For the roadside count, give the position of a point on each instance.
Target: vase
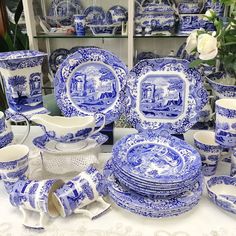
(22, 78)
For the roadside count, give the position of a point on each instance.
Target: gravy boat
(69, 132)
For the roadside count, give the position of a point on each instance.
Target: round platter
(164, 93)
(156, 158)
(95, 15)
(151, 207)
(90, 81)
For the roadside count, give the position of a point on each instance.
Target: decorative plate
(164, 93)
(156, 158)
(44, 143)
(152, 207)
(116, 14)
(89, 81)
(57, 57)
(94, 15)
(65, 9)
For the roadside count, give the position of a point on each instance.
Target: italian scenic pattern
(169, 152)
(89, 81)
(170, 97)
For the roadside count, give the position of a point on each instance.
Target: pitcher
(6, 134)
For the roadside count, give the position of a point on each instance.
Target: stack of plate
(156, 176)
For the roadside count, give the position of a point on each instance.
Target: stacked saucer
(161, 171)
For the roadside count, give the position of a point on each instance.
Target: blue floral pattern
(6, 139)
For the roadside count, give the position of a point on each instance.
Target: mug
(225, 129)
(87, 187)
(36, 196)
(13, 164)
(79, 24)
(6, 134)
(209, 151)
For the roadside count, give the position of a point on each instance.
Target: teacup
(6, 134)
(67, 130)
(233, 162)
(36, 196)
(226, 122)
(13, 164)
(209, 150)
(87, 187)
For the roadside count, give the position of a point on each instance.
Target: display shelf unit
(126, 47)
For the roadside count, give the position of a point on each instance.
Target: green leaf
(196, 63)
(4, 46)
(19, 11)
(9, 42)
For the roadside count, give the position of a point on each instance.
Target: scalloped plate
(164, 93)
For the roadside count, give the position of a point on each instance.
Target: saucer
(50, 146)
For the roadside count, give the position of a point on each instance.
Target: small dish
(222, 192)
(94, 15)
(103, 30)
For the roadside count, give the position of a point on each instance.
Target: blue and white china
(209, 150)
(13, 164)
(45, 144)
(225, 129)
(65, 9)
(57, 57)
(91, 81)
(233, 162)
(155, 191)
(192, 7)
(157, 21)
(22, 77)
(76, 48)
(190, 22)
(222, 86)
(95, 15)
(68, 130)
(36, 196)
(80, 25)
(206, 113)
(6, 134)
(216, 6)
(221, 191)
(116, 14)
(146, 55)
(138, 30)
(156, 158)
(80, 191)
(164, 93)
(103, 30)
(150, 207)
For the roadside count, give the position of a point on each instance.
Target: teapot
(6, 134)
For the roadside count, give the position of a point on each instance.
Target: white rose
(191, 42)
(209, 15)
(207, 47)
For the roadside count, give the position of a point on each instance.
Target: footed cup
(87, 187)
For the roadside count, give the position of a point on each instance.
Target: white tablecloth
(205, 219)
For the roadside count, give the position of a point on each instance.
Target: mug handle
(93, 214)
(103, 123)
(27, 216)
(27, 124)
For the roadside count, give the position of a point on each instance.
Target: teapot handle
(103, 122)
(27, 124)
